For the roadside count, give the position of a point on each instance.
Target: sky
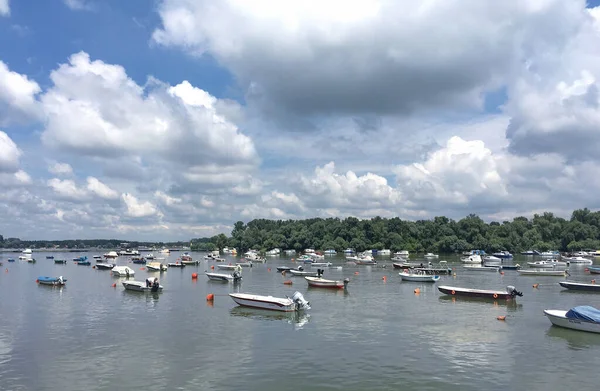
(173, 119)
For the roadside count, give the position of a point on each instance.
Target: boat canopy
(584, 312)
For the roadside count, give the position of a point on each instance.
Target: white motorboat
(481, 268)
(285, 304)
(582, 318)
(96, 257)
(122, 271)
(227, 267)
(490, 260)
(320, 282)
(403, 254)
(320, 264)
(543, 272)
(385, 251)
(27, 251)
(149, 257)
(578, 260)
(105, 266)
(547, 264)
(472, 259)
(165, 251)
(418, 277)
(244, 264)
(129, 252)
(302, 273)
(274, 251)
(140, 286)
(111, 255)
(431, 256)
(222, 277)
(155, 267)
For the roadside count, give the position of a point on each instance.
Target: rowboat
(105, 266)
(582, 318)
(139, 286)
(122, 271)
(235, 277)
(155, 267)
(580, 286)
(54, 281)
(543, 272)
(320, 282)
(509, 293)
(480, 268)
(57, 261)
(285, 304)
(418, 277)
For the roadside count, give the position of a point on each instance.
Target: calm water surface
(378, 335)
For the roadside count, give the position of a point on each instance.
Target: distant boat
(175, 264)
(543, 272)
(547, 264)
(105, 266)
(418, 277)
(222, 277)
(320, 282)
(122, 271)
(482, 268)
(578, 260)
(431, 256)
(54, 281)
(472, 259)
(27, 251)
(552, 254)
(111, 255)
(139, 286)
(302, 273)
(580, 286)
(60, 261)
(582, 318)
(49, 256)
(530, 252)
(285, 304)
(155, 267)
(509, 293)
(226, 267)
(329, 252)
(503, 254)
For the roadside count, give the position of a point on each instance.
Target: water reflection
(576, 340)
(298, 319)
(326, 291)
(509, 304)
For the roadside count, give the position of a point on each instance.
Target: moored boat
(430, 256)
(580, 286)
(283, 268)
(544, 272)
(578, 260)
(54, 281)
(418, 277)
(301, 273)
(83, 263)
(582, 318)
(472, 259)
(226, 267)
(175, 264)
(49, 256)
(482, 268)
(155, 267)
(222, 277)
(591, 269)
(320, 282)
(111, 255)
(122, 271)
(509, 293)
(547, 264)
(286, 304)
(105, 266)
(57, 261)
(140, 286)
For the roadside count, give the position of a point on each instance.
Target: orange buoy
(288, 282)
(501, 317)
(536, 285)
(268, 269)
(93, 267)
(194, 276)
(501, 273)
(453, 292)
(212, 267)
(384, 278)
(210, 297)
(594, 281)
(356, 273)
(37, 281)
(495, 295)
(417, 291)
(142, 268)
(114, 285)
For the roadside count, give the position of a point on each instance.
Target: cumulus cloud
(4, 8)
(18, 102)
(79, 5)
(9, 154)
(67, 189)
(57, 168)
(101, 190)
(369, 55)
(137, 208)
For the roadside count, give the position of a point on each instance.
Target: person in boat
(149, 282)
(127, 272)
(60, 280)
(155, 285)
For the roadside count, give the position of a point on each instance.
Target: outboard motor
(300, 268)
(320, 273)
(346, 281)
(155, 286)
(237, 276)
(513, 291)
(301, 303)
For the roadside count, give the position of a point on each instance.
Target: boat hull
(136, 286)
(222, 277)
(263, 302)
(548, 273)
(488, 269)
(418, 277)
(104, 266)
(578, 286)
(479, 293)
(317, 282)
(559, 318)
(594, 270)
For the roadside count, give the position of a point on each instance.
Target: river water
(378, 335)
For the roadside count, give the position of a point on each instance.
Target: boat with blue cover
(582, 318)
(591, 269)
(53, 281)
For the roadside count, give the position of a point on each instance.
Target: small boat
(138, 260)
(543, 272)
(482, 268)
(580, 286)
(503, 254)
(530, 252)
(59, 261)
(11, 260)
(49, 256)
(105, 266)
(511, 267)
(490, 260)
(98, 258)
(155, 267)
(122, 271)
(227, 267)
(80, 259)
(139, 286)
(591, 269)
(244, 264)
(111, 255)
(582, 318)
(330, 252)
(190, 262)
(54, 281)
(320, 282)
(431, 256)
(83, 263)
(301, 273)
(365, 261)
(472, 259)
(547, 264)
(509, 293)
(286, 304)
(31, 260)
(418, 277)
(221, 277)
(150, 257)
(283, 268)
(321, 264)
(549, 254)
(175, 264)
(578, 260)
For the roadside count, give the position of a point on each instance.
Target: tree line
(441, 234)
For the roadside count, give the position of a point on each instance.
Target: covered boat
(105, 266)
(54, 281)
(150, 285)
(122, 271)
(580, 286)
(582, 318)
(510, 292)
(286, 304)
(416, 276)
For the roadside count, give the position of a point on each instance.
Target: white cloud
(100, 189)
(79, 5)
(9, 154)
(136, 208)
(332, 56)
(67, 189)
(57, 168)
(17, 97)
(4, 8)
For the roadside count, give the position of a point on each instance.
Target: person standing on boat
(155, 285)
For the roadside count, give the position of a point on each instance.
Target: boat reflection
(327, 291)
(56, 288)
(576, 340)
(511, 305)
(298, 319)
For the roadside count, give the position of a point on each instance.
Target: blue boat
(49, 256)
(83, 263)
(503, 254)
(139, 261)
(54, 281)
(10, 260)
(80, 259)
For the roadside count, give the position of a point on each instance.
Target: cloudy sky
(172, 119)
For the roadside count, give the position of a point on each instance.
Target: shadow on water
(509, 304)
(576, 340)
(298, 319)
(328, 291)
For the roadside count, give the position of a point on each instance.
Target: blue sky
(173, 119)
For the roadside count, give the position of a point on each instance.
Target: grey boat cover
(584, 312)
